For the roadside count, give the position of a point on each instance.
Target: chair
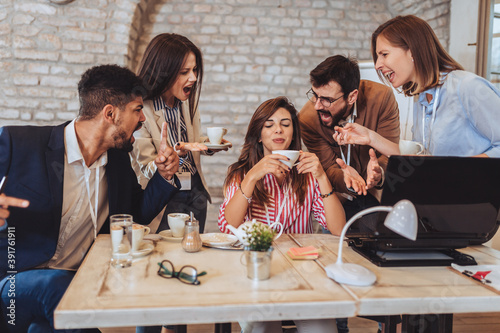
(222, 328)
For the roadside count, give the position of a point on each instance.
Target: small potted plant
(258, 252)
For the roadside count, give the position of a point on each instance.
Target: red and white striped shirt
(294, 217)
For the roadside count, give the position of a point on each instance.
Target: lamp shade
(402, 219)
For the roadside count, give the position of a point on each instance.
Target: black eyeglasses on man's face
(325, 101)
(187, 274)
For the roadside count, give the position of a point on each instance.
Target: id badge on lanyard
(185, 179)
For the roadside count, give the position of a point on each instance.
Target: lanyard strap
(277, 217)
(350, 120)
(433, 118)
(93, 210)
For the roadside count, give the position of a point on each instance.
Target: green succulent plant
(259, 237)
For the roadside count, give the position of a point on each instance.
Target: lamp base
(352, 274)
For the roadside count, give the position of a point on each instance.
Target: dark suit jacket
(33, 159)
(377, 110)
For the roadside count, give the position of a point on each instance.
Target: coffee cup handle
(147, 230)
(277, 223)
(224, 131)
(420, 148)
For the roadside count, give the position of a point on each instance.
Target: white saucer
(167, 235)
(145, 249)
(153, 237)
(214, 146)
(218, 239)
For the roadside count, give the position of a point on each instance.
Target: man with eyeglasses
(338, 96)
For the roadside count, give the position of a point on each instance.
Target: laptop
(457, 201)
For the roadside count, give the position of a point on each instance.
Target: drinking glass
(121, 235)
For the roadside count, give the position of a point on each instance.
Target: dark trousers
(30, 298)
(194, 200)
(358, 204)
(351, 208)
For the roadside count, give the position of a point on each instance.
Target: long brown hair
(253, 151)
(162, 62)
(430, 58)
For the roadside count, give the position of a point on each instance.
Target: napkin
(308, 252)
(489, 275)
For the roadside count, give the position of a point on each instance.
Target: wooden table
(102, 296)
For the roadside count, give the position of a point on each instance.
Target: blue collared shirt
(467, 119)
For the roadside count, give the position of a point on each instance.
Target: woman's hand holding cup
(269, 164)
(309, 162)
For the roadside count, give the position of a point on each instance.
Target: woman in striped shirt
(172, 71)
(259, 186)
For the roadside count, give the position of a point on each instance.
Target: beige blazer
(147, 142)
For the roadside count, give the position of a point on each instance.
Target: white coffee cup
(177, 221)
(138, 233)
(215, 134)
(293, 155)
(407, 147)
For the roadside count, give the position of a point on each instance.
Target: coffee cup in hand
(293, 155)
(215, 134)
(138, 233)
(176, 222)
(407, 147)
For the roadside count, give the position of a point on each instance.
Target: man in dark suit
(74, 176)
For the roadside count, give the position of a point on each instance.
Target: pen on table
(2, 183)
(469, 274)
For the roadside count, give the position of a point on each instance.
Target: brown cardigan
(377, 110)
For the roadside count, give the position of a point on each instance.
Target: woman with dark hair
(260, 186)
(456, 113)
(172, 72)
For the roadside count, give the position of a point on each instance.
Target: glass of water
(121, 234)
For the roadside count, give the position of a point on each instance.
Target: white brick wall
(253, 50)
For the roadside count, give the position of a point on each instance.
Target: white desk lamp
(402, 219)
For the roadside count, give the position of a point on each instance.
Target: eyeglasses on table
(187, 274)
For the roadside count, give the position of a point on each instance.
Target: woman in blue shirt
(455, 112)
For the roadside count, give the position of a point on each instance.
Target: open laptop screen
(457, 201)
